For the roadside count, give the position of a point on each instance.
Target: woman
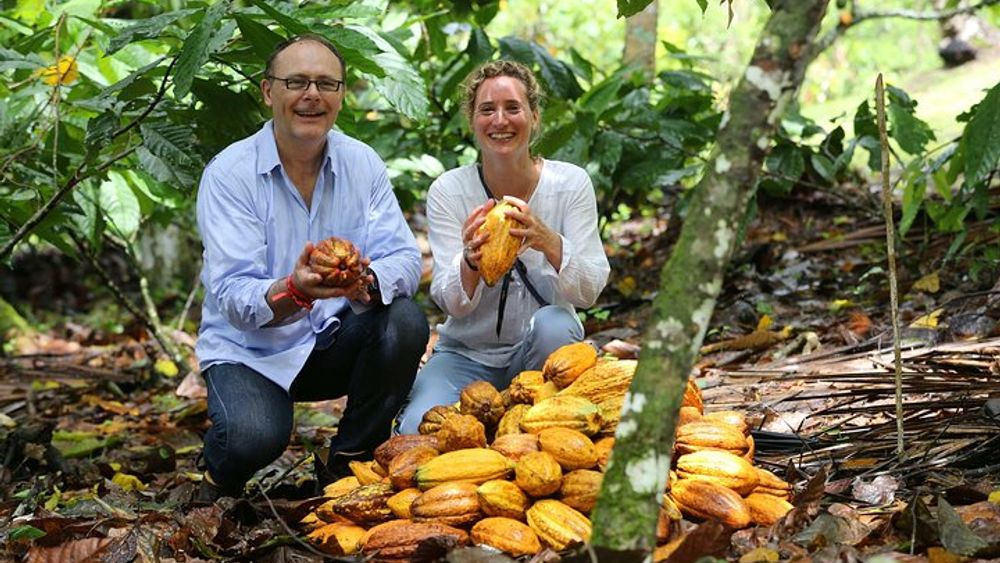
(494, 333)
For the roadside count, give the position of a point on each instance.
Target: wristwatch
(372, 288)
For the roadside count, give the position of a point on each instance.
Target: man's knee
(409, 324)
(253, 443)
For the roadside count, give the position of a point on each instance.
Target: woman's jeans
(373, 361)
(446, 373)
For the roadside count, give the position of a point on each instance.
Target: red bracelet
(293, 293)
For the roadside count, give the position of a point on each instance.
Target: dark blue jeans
(373, 361)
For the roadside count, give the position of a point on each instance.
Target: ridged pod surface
(558, 525)
(572, 449)
(337, 260)
(455, 504)
(566, 363)
(500, 250)
(567, 411)
(399, 540)
(710, 501)
(474, 465)
(503, 498)
(508, 535)
(722, 467)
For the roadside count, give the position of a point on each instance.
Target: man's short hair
(269, 68)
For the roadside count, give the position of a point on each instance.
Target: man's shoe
(335, 468)
(207, 493)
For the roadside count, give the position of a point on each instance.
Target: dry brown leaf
(76, 551)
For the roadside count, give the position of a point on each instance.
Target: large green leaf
(291, 25)
(148, 28)
(628, 8)
(358, 50)
(556, 76)
(197, 48)
(910, 132)
(262, 39)
(982, 138)
(402, 86)
(12, 59)
(120, 206)
(166, 154)
(598, 98)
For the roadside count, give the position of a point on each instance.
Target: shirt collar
(267, 150)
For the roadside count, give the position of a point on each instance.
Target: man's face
(303, 115)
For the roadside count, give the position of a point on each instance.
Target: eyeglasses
(323, 84)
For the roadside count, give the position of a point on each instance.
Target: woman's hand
(472, 243)
(537, 235)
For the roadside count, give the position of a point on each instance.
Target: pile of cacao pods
(520, 470)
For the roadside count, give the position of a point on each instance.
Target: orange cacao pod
(338, 539)
(603, 447)
(710, 435)
(719, 466)
(399, 444)
(710, 501)
(455, 504)
(692, 396)
(337, 260)
(538, 474)
(579, 489)
(514, 446)
(474, 465)
(566, 363)
(524, 386)
(364, 472)
(507, 535)
(765, 510)
(400, 502)
(403, 467)
(734, 418)
(500, 249)
(341, 487)
(571, 448)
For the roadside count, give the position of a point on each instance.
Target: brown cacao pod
(702, 435)
(566, 363)
(399, 444)
(510, 423)
(603, 447)
(579, 489)
(482, 400)
(524, 386)
(455, 504)
(403, 467)
(538, 474)
(719, 466)
(338, 539)
(514, 446)
(461, 431)
(432, 419)
(474, 465)
(498, 497)
(500, 250)
(710, 501)
(692, 396)
(506, 534)
(558, 525)
(765, 510)
(567, 411)
(337, 260)
(400, 502)
(365, 505)
(400, 540)
(572, 449)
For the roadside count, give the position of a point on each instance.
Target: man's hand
(311, 284)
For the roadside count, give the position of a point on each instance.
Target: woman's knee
(555, 326)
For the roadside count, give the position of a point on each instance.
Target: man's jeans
(373, 361)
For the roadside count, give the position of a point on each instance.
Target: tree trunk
(640, 39)
(626, 512)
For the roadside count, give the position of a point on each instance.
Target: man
(272, 333)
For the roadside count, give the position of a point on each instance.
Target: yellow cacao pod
(368, 504)
(508, 535)
(765, 510)
(579, 489)
(500, 250)
(544, 391)
(503, 498)
(606, 380)
(692, 396)
(572, 449)
(338, 539)
(524, 386)
(482, 400)
(538, 474)
(454, 504)
(567, 411)
(769, 480)
(400, 502)
(566, 363)
(735, 418)
(702, 435)
(710, 501)
(474, 465)
(510, 423)
(341, 487)
(719, 466)
(364, 472)
(558, 525)
(687, 415)
(603, 447)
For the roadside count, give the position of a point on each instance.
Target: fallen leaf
(166, 368)
(75, 551)
(927, 321)
(930, 283)
(128, 482)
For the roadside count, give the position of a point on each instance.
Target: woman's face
(502, 120)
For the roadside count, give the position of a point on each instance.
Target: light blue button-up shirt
(254, 225)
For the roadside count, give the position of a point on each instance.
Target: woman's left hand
(537, 235)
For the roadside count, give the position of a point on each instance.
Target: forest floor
(101, 437)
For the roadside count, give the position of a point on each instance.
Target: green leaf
(982, 138)
(358, 50)
(704, 5)
(824, 167)
(956, 536)
(12, 59)
(147, 28)
(913, 199)
(291, 25)
(120, 206)
(166, 153)
(25, 533)
(196, 49)
(598, 98)
(402, 86)
(556, 76)
(910, 132)
(262, 39)
(628, 8)
(787, 164)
